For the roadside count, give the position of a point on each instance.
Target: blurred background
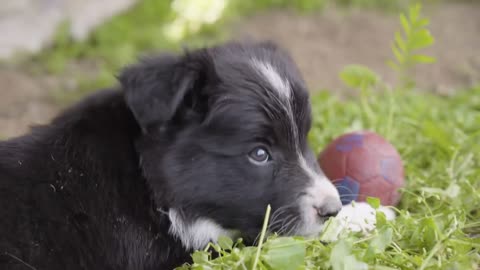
(53, 52)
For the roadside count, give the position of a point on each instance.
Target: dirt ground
(322, 44)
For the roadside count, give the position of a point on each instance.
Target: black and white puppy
(189, 148)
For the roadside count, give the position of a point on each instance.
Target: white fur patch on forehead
(279, 84)
(195, 235)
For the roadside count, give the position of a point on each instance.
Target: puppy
(188, 148)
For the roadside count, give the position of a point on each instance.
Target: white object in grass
(355, 217)
(360, 216)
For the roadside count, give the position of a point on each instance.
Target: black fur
(89, 190)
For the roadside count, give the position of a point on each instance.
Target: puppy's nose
(328, 210)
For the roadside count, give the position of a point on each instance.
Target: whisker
(293, 229)
(355, 194)
(344, 188)
(294, 222)
(20, 260)
(286, 225)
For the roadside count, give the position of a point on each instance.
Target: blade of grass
(262, 236)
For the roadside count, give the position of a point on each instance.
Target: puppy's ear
(157, 88)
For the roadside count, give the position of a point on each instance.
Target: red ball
(363, 164)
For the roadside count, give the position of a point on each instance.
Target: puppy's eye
(259, 155)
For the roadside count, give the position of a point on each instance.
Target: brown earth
(24, 101)
(321, 43)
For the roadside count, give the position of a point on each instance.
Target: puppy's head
(224, 135)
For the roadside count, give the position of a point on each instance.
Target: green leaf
(424, 59)
(373, 202)
(416, 37)
(430, 232)
(405, 24)
(357, 76)
(332, 229)
(381, 219)
(392, 65)
(400, 58)
(284, 253)
(225, 242)
(421, 23)
(414, 12)
(382, 240)
(200, 257)
(400, 42)
(421, 39)
(379, 243)
(342, 258)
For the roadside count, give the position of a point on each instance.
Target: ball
(363, 164)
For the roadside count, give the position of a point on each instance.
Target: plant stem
(262, 236)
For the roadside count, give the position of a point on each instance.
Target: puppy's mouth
(296, 221)
(306, 217)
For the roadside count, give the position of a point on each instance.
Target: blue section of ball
(386, 166)
(347, 143)
(348, 189)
